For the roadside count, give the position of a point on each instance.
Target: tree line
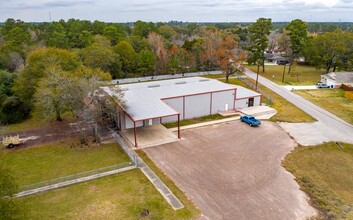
(39, 61)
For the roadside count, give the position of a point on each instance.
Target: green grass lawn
(36, 123)
(325, 173)
(287, 112)
(25, 125)
(332, 100)
(214, 76)
(121, 196)
(190, 207)
(196, 120)
(36, 164)
(308, 75)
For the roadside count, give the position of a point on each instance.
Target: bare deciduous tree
(156, 43)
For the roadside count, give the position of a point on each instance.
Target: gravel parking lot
(233, 171)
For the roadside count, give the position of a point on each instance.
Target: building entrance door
(251, 102)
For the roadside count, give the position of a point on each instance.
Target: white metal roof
(143, 100)
(340, 77)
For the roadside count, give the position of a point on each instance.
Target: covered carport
(150, 133)
(150, 136)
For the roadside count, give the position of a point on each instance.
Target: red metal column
(235, 97)
(211, 103)
(179, 126)
(183, 107)
(135, 134)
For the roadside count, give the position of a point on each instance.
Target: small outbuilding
(336, 79)
(151, 103)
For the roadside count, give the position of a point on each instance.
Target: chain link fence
(123, 143)
(75, 176)
(251, 84)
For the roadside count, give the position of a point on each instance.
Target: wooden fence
(346, 88)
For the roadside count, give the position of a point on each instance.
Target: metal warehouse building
(156, 102)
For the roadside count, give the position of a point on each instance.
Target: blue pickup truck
(251, 120)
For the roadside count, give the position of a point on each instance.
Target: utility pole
(284, 70)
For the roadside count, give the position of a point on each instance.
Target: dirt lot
(233, 171)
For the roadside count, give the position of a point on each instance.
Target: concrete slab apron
(233, 171)
(308, 134)
(150, 136)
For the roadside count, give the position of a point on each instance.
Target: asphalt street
(330, 125)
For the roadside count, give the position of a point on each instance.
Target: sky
(179, 10)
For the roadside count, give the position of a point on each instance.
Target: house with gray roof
(336, 79)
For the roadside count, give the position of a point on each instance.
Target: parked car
(322, 85)
(282, 62)
(251, 120)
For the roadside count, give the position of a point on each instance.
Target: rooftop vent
(180, 82)
(154, 86)
(204, 80)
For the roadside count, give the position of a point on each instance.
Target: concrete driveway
(300, 87)
(233, 171)
(331, 125)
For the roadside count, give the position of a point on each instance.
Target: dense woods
(40, 60)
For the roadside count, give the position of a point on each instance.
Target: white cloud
(182, 10)
(327, 3)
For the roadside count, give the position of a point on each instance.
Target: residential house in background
(336, 79)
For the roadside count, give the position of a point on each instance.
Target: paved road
(332, 127)
(300, 87)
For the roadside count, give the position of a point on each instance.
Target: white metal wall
(130, 124)
(243, 103)
(156, 121)
(220, 99)
(176, 104)
(257, 101)
(122, 118)
(170, 119)
(197, 105)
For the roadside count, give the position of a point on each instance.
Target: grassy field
(25, 125)
(196, 120)
(325, 173)
(332, 100)
(308, 75)
(35, 164)
(287, 112)
(35, 123)
(121, 196)
(190, 207)
(214, 76)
